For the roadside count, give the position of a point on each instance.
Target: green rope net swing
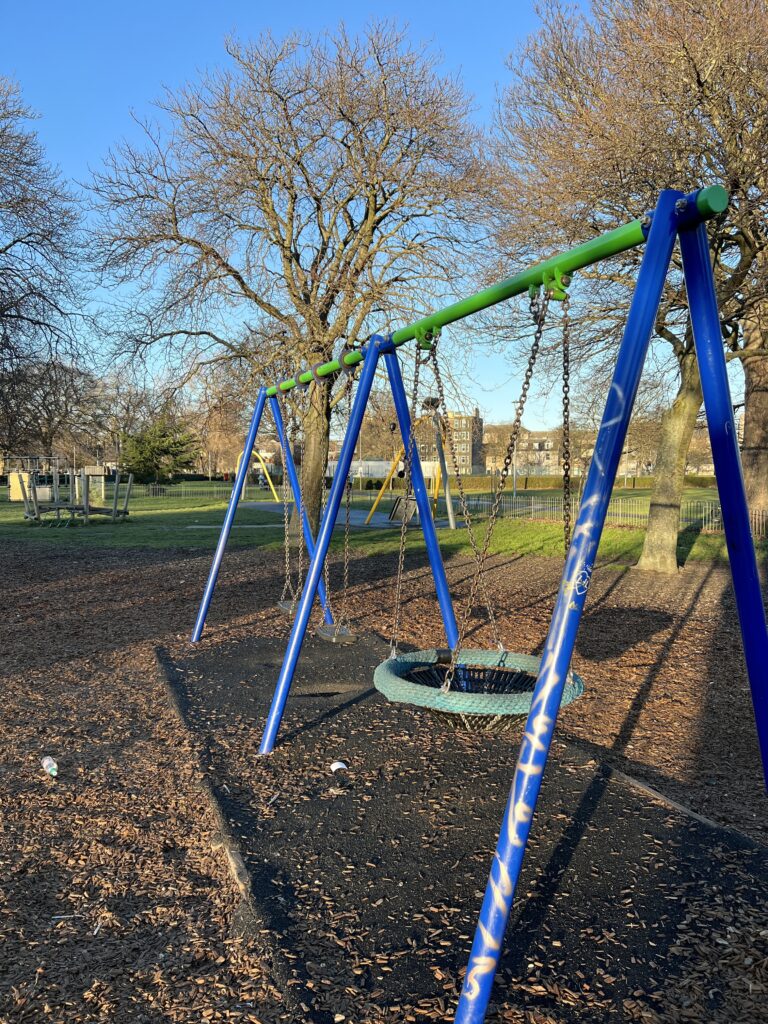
(479, 690)
(489, 691)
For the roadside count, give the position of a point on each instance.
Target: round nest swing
(489, 692)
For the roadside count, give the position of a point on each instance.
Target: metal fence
(703, 516)
(197, 492)
(184, 492)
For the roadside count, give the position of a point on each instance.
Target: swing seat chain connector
(554, 284)
(427, 337)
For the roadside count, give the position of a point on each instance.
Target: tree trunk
(677, 426)
(317, 426)
(754, 452)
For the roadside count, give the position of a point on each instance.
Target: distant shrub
(700, 481)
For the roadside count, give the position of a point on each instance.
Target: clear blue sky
(83, 66)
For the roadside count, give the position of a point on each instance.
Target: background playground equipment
(45, 471)
(263, 467)
(675, 217)
(57, 505)
(440, 479)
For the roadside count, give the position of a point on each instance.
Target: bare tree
(38, 241)
(381, 436)
(57, 399)
(602, 114)
(217, 411)
(288, 202)
(17, 429)
(39, 256)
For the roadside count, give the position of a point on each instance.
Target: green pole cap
(712, 201)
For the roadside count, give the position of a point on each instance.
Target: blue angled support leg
(322, 543)
(422, 500)
(558, 649)
(229, 518)
(705, 320)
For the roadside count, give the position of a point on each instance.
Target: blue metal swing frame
(234, 500)
(676, 216)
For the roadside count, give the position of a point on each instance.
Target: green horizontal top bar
(709, 201)
(712, 201)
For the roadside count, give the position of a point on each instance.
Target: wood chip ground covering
(114, 906)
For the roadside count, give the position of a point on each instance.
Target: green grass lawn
(153, 523)
(174, 522)
(618, 545)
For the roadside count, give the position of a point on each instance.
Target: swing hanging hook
(556, 284)
(426, 337)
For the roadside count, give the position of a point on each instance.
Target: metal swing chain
(342, 616)
(538, 306)
(566, 424)
(302, 484)
(288, 590)
(327, 561)
(404, 517)
(466, 514)
(337, 617)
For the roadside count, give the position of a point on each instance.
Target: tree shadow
(732, 783)
(686, 539)
(327, 715)
(533, 913)
(606, 634)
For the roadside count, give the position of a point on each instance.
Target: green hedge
(700, 481)
(484, 484)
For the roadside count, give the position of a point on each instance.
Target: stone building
(467, 432)
(538, 451)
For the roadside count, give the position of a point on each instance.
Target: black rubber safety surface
(371, 878)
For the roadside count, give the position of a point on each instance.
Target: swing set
(490, 686)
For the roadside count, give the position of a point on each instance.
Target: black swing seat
(332, 633)
(336, 633)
